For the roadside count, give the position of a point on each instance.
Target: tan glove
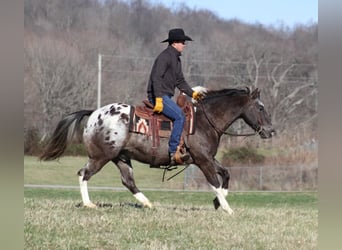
(159, 105)
(197, 95)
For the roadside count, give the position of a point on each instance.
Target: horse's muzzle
(266, 133)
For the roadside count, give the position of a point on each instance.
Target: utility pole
(99, 81)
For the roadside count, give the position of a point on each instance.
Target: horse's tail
(67, 131)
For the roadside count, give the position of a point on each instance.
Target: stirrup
(179, 158)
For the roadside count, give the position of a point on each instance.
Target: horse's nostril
(263, 134)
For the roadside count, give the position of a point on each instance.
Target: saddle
(145, 121)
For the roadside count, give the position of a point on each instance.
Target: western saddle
(145, 121)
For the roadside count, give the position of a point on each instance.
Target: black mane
(227, 92)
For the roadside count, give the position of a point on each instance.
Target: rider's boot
(179, 157)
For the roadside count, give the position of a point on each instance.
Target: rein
(170, 168)
(218, 130)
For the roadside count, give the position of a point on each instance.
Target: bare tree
(64, 83)
(63, 39)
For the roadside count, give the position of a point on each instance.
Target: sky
(266, 12)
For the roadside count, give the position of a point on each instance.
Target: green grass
(64, 172)
(179, 220)
(249, 199)
(53, 218)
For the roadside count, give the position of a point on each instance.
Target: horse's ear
(248, 90)
(255, 94)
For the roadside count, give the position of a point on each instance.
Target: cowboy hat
(177, 35)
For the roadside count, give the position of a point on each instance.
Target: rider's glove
(159, 105)
(197, 95)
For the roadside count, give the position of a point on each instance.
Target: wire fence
(260, 178)
(295, 178)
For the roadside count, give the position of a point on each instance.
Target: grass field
(179, 220)
(63, 172)
(53, 218)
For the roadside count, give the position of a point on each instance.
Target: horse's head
(256, 116)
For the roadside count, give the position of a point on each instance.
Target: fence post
(301, 178)
(260, 178)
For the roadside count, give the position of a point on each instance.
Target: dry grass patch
(60, 224)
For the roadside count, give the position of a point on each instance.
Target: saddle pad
(143, 118)
(142, 123)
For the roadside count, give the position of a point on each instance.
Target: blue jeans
(173, 111)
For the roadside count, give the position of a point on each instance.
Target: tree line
(62, 40)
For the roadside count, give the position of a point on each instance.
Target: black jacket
(166, 75)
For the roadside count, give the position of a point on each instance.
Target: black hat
(177, 35)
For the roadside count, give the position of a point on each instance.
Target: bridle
(220, 131)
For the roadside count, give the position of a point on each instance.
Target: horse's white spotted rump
(109, 124)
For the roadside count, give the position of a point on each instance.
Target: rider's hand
(159, 105)
(197, 95)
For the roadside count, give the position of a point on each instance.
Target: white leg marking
(142, 198)
(225, 192)
(84, 193)
(220, 194)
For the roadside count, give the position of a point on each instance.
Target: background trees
(63, 38)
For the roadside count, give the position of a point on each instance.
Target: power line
(205, 60)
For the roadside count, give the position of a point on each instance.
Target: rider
(166, 75)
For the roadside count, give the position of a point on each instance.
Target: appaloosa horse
(106, 137)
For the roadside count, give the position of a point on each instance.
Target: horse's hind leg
(126, 170)
(91, 168)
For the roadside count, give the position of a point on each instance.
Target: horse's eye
(261, 108)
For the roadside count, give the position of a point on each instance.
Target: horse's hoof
(90, 205)
(230, 211)
(148, 205)
(216, 203)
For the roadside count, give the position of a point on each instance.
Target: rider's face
(179, 45)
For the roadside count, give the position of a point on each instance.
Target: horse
(106, 137)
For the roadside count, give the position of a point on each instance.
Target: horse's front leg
(224, 173)
(210, 171)
(221, 199)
